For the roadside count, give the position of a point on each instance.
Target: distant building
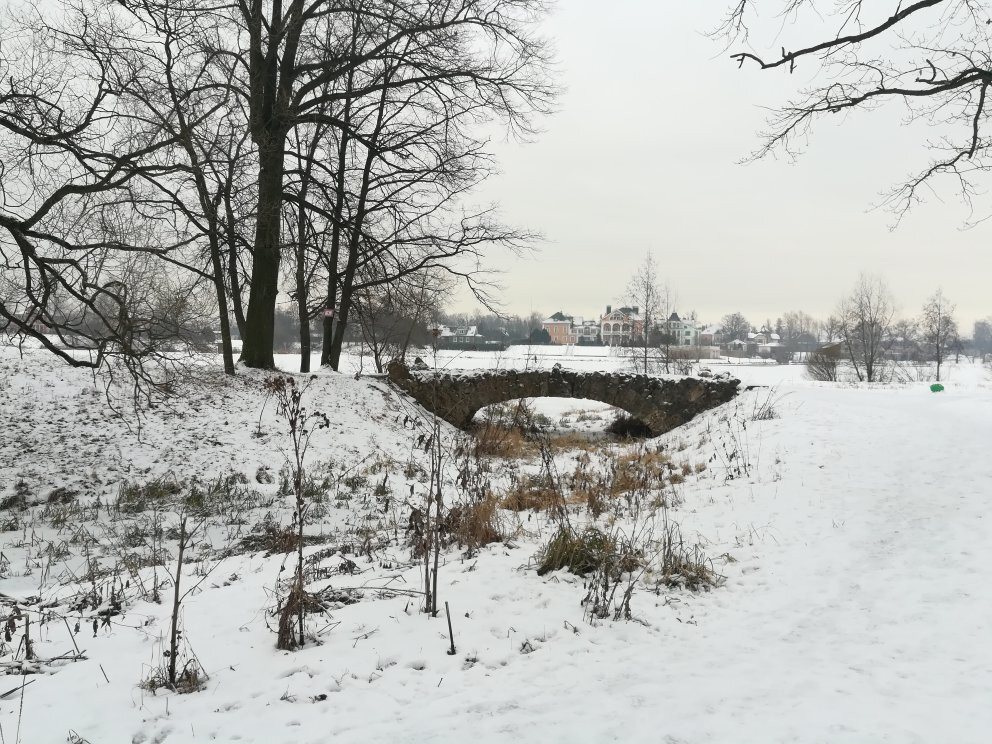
(621, 326)
(683, 332)
(763, 337)
(470, 337)
(764, 343)
(586, 332)
(559, 327)
(711, 335)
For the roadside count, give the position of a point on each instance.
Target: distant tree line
(518, 329)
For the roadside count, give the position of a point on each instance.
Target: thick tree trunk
(328, 357)
(327, 327)
(259, 332)
(334, 356)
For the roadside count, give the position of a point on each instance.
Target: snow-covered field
(851, 532)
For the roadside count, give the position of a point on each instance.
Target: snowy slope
(855, 608)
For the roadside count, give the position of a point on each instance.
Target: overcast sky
(644, 155)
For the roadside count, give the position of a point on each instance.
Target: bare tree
(798, 331)
(735, 326)
(162, 65)
(939, 329)
(645, 293)
(823, 365)
(865, 324)
(394, 316)
(929, 56)
(905, 341)
(83, 245)
(829, 329)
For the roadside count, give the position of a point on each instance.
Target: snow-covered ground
(850, 530)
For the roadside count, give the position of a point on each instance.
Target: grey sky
(644, 153)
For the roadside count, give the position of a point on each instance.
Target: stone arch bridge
(661, 404)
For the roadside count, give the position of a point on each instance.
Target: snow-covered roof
(628, 313)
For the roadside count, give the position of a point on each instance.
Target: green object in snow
(936, 388)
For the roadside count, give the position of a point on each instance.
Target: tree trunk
(225, 322)
(232, 268)
(302, 293)
(259, 333)
(334, 356)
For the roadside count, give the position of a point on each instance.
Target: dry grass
(133, 498)
(598, 482)
(583, 553)
(533, 493)
(505, 442)
(189, 679)
(476, 525)
(640, 470)
(502, 431)
(681, 565)
(273, 538)
(573, 440)
(588, 486)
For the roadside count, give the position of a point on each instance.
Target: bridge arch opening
(583, 417)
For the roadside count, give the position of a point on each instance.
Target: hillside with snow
(831, 582)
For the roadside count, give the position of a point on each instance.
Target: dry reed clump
(133, 498)
(19, 499)
(572, 440)
(476, 525)
(191, 678)
(471, 525)
(533, 493)
(493, 440)
(589, 486)
(503, 431)
(585, 552)
(683, 566)
(644, 469)
(274, 538)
